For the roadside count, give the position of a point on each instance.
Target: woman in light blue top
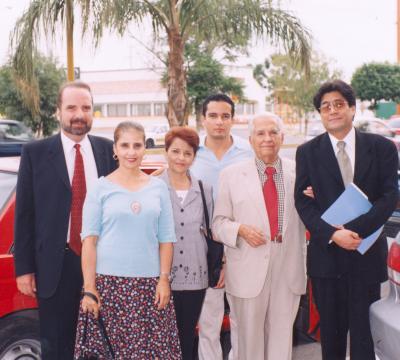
(128, 235)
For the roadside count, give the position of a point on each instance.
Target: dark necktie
(78, 197)
(271, 201)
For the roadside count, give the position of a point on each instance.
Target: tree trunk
(199, 115)
(177, 96)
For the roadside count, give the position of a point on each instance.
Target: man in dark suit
(345, 282)
(53, 177)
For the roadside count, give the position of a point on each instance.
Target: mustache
(77, 120)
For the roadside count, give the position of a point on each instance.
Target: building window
(250, 108)
(239, 109)
(160, 109)
(143, 109)
(116, 110)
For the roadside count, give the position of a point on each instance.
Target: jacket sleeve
(24, 225)
(224, 226)
(383, 207)
(307, 207)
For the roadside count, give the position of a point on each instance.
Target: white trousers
(265, 323)
(212, 314)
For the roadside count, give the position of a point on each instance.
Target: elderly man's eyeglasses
(335, 104)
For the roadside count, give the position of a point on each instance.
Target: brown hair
(72, 84)
(184, 133)
(126, 126)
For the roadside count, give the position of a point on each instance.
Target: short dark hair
(336, 85)
(218, 97)
(72, 84)
(184, 133)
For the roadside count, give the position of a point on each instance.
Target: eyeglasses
(335, 104)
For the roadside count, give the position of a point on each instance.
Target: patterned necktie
(344, 163)
(78, 197)
(271, 201)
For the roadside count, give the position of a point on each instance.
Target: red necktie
(271, 201)
(78, 197)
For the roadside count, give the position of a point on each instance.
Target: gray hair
(263, 115)
(126, 126)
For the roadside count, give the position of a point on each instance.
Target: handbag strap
(105, 336)
(207, 219)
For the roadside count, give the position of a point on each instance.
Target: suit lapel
(99, 157)
(255, 192)
(362, 158)
(288, 179)
(327, 158)
(57, 158)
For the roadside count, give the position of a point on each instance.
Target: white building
(137, 94)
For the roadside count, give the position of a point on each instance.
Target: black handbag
(87, 355)
(215, 251)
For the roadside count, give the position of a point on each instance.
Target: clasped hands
(342, 237)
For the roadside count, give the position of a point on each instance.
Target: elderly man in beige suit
(256, 219)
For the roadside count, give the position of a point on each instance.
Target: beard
(70, 129)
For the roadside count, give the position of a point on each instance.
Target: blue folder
(349, 205)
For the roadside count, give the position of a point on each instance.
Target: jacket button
(182, 210)
(182, 223)
(180, 265)
(181, 237)
(181, 251)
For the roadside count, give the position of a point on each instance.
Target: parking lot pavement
(307, 352)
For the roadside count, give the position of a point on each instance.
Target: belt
(277, 238)
(66, 248)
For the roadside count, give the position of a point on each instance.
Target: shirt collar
(349, 139)
(68, 144)
(261, 165)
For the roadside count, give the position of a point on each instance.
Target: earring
(115, 157)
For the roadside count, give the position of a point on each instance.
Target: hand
(158, 171)
(26, 284)
(221, 280)
(346, 239)
(89, 305)
(253, 236)
(163, 293)
(309, 192)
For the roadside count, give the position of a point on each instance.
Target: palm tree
(229, 22)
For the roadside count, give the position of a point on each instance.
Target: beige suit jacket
(240, 201)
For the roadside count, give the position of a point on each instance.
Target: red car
(19, 330)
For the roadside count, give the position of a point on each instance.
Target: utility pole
(70, 39)
(398, 31)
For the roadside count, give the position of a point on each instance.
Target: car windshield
(15, 131)
(157, 129)
(374, 126)
(7, 185)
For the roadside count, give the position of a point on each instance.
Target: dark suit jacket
(43, 202)
(375, 173)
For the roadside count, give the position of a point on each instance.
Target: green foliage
(50, 76)
(206, 76)
(229, 24)
(377, 81)
(288, 82)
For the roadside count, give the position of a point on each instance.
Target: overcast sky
(349, 32)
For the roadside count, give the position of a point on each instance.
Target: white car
(155, 135)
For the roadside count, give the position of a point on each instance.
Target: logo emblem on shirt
(136, 207)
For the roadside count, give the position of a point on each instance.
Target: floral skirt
(136, 329)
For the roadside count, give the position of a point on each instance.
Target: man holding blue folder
(344, 281)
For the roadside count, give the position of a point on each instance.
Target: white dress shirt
(350, 148)
(89, 162)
